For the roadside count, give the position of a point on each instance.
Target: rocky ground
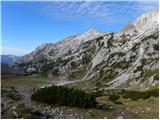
(16, 103)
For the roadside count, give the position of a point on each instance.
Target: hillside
(126, 59)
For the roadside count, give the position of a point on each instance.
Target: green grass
(150, 73)
(143, 108)
(140, 107)
(23, 112)
(78, 73)
(29, 81)
(84, 85)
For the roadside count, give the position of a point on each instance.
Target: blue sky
(26, 25)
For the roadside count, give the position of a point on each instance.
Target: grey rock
(15, 114)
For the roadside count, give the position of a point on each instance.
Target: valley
(117, 71)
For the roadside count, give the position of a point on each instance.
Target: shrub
(55, 72)
(73, 64)
(59, 95)
(102, 44)
(154, 92)
(98, 84)
(156, 47)
(86, 59)
(118, 102)
(123, 91)
(156, 77)
(114, 97)
(135, 95)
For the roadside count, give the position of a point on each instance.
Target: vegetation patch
(55, 72)
(46, 67)
(23, 112)
(135, 47)
(150, 37)
(78, 73)
(121, 65)
(24, 64)
(86, 59)
(110, 40)
(73, 65)
(114, 97)
(156, 47)
(60, 95)
(150, 73)
(135, 95)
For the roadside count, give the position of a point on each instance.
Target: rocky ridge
(126, 59)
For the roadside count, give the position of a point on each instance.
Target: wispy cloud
(94, 11)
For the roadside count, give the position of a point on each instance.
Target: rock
(14, 107)
(15, 114)
(105, 118)
(99, 106)
(120, 117)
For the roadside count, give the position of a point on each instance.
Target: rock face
(126, 59)
(146, 22)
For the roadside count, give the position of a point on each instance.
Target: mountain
(125, 59)
(52, 51)
(6, 69)
(9, 59)
(7, 65)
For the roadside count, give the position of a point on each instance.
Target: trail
(61, 83)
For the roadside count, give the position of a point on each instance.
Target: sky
(28, 24)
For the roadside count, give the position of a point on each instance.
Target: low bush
(114, 97)
(135, 95)
(118, 102)
(156, 47)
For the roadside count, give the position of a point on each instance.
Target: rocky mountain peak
(91, 32)
(147, 21)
